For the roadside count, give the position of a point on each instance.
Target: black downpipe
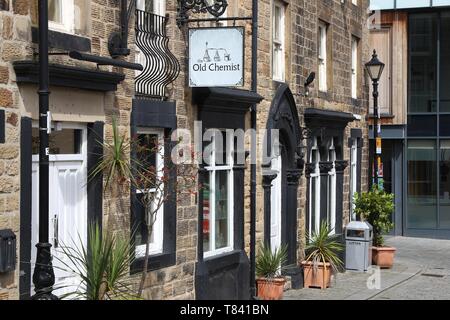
(43, 277)
(253, 153)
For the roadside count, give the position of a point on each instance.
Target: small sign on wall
(216, 57)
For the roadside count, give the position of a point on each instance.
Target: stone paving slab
(421, 271)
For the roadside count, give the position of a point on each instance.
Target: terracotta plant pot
(270, 289)
(383, 256)
(319, 277)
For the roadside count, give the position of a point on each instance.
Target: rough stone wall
(15, 35)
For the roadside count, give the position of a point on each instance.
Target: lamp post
(375, 68)
(43, 277)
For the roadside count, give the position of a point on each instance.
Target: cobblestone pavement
(421, 271)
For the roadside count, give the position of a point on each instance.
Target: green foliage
(323, 247)
(376, 207)
(102, 266)
(269, 263)
(114, 163)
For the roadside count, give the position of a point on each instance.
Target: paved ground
(421, 271)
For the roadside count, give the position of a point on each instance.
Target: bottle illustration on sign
(217, 55)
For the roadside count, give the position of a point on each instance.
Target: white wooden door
(67, 212)
(275, 212)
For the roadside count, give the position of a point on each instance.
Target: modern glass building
(413, 37)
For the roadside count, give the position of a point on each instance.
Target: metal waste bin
(358, 239)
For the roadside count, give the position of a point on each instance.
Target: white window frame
(156, 247)
(314, 179)
(159, 6)
(278, 44)
(67, 24)
(355, 74)
(353, 176)
(322, 56)
(332, 189)
(212, 170)
(355, 2)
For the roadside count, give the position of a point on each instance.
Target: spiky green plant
(114, 163)
(323, 248)
(102, 266)
(269, 262)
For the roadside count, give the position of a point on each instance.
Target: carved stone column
(340, 166)
(268, 178)
(289, 223)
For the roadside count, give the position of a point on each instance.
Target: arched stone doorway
(281, 173)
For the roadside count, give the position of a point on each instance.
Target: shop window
(314, 189)
(69, 16)
(150, 155)
(278, 50)
(218, 196)
(322, 56)
(444, 192)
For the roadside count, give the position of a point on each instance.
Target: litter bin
(358, 239)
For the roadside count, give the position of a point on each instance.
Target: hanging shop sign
(216, 57)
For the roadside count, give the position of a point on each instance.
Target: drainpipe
(43, 277)
(253, 154)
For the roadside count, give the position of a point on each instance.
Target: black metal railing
(161, 68)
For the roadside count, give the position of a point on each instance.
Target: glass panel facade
(422, 184)
(423, 60)
(444, 61)
(444, 192)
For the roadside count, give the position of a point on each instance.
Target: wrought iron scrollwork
(160, 66)
(216, 9)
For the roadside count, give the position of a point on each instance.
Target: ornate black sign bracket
(215, 8)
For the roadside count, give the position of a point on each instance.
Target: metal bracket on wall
(118, 41)
(217, 8)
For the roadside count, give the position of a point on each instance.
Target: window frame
(278, 44)
(157, 247)
(322, 59)
(332, 188)
(314, 198)
(355, 66)
(67, 24)
(353, 176)
(212, 170)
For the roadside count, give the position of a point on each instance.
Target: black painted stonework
(95, 184)
(64, 41)
(25, 208)
(2, 126)
(283, 116)
(69, 76)
(156, 114)
(224, 277)
(340, 168)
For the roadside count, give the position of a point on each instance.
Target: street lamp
(43, 277)
(375, 68)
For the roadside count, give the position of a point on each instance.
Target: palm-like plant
(323, 248)
(114, 163)
(269, 263)
(102, 266)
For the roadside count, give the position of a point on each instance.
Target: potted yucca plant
(322, 258)
(268, 269)
(376, 207)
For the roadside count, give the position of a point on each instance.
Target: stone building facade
(85, 99)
